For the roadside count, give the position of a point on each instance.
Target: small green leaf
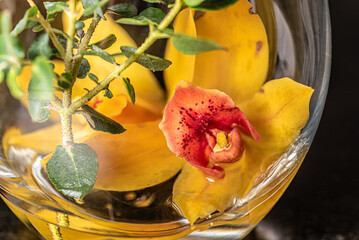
(130, 90)
(192, 45)
(94, 6)
(5, 22)
(41, 83)
(11, 81)
(84, 68)
(37, 28)
(79, 25)
(55, 7)
(65, 80)
(208, 5)
(40, 89)
(132, 21)
(106, 42)
(108, 93)
(149, 61)
(73, 170)
(124, 9)
(100, 122)
(155, 15)
(39, 110)
(25, 21)
(93, 77)
(40, 47)
(104, 55)
(191, 3)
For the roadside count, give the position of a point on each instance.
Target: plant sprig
(72, 48)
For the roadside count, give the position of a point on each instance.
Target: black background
(323, 200)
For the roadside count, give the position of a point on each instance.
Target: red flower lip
(202, 126)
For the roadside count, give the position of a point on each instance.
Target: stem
(71, 33)
(48, 29)
(84, 43)
(152, 37)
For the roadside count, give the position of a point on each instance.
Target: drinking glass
(300, 48)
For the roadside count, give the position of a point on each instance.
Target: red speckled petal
(226, 119)
(185, 123)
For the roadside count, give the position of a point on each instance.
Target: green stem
(71, 33)
(84, 43)
(152, 37)
(48, 29)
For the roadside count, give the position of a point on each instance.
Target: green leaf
(73, 170)
(106, 42)
(40, 89)
(25, 21)
(41, 83)
(55, 7)
(130, 90)
(132, 21)
(191, 3)
(94, 6)
(65, 80)
(84, 68)
(5, 24)
(192, 45)
(124, 9)
(108, 93)
(155, 15)
(40, 47)
(149, 61)
(93, 77)
(39, 110)
(209, 4)
(11, 81)
(38, 28)
(100, 122)
(104, 55)
(10, 45)
(79, 25)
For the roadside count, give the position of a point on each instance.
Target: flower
(201, 124)
(140, 157)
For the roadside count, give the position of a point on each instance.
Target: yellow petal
(278, 112)
(182, 67)
(134, 160)
(42, 141)
(198, 196)
(240, 70)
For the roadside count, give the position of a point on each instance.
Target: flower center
(222, 141)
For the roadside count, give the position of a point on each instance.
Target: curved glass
(300, 48)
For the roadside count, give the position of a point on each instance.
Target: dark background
(323, 200)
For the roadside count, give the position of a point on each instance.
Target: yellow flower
(140, 158)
